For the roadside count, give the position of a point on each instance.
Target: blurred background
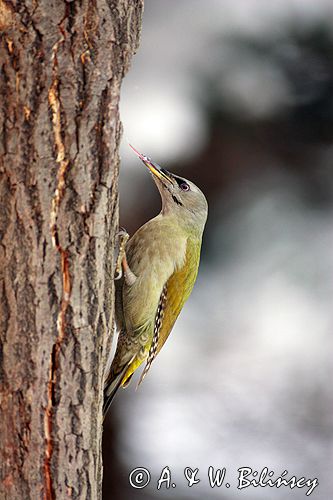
(237, 96)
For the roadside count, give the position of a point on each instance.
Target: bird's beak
(156, 170)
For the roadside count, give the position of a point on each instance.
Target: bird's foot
(122, 236)
(122, 267)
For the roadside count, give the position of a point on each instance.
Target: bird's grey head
(179, 196)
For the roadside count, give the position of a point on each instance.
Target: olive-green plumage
(159, 271)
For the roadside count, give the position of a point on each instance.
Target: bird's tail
(110, 390)
(112, 385)
(113, 382)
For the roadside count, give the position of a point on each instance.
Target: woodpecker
(156, 271)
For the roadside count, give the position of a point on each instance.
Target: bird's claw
(118, 274)
(123, 237)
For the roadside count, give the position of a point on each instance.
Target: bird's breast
(157, 248)
(154, 253)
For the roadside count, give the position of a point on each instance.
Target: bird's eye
(184, 186)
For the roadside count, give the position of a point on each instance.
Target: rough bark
(61, 64)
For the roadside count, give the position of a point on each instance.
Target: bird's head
(179, 195)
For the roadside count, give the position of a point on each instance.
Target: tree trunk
(62, 64)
